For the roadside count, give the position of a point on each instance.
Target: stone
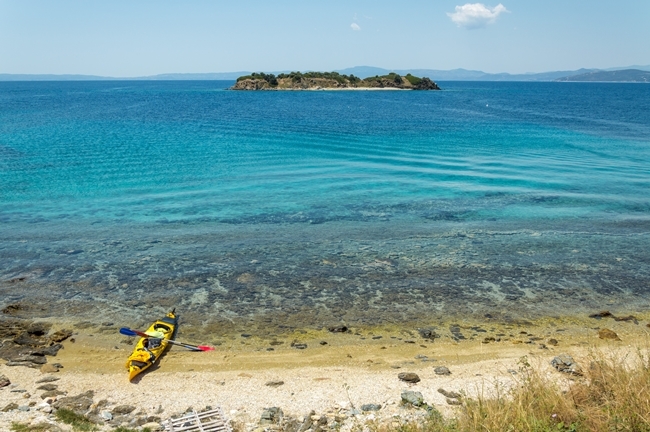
(123, 409)
(627, 318)
(106, 415)
(412, 398)
(430, 334)
(409, 377)
(271, 415)
(152, 426)
(565, 363)
(601, 314)
(47, 379)
(299, 345)
(608, 334)
(60, 335)
(12, 406)
(370, 407)
(337, 329)
(49, 368)
(552, 341)
(79, 403)
(52, 394)
(274, 383)
(4, 381)
(450, 394)
(47, 387)
(451, 401)
(442, 370)
(24, 408)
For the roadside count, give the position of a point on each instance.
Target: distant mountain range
(622, 74)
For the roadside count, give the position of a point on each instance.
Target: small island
(331, 81)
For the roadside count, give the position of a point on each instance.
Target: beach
(334, 375)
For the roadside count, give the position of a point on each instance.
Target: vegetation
(41, 427)
(610, 397)
(123, 429)
(341, 79)
(413, 79)
(77, 421)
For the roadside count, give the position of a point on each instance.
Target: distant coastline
(332, 81)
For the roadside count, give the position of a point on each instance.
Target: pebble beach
(346, 376)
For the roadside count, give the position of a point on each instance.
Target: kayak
(150, 348)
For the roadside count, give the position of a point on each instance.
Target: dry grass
(613, 395)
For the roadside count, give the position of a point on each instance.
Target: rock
(323, 342)
(451, 401)
(47, 387)
(409, 377)
(627, 318)
(60, 335)
(299, 345)
(450, 394)
(601, 314)
(274, 383)
(52, 394)
(123, 409)
(565, 363)
(4, 381)
(442, 370)
(47, 379)
(552, 341)
(12, 406)
(49, 368)
(412, 398)
(24, 408)
(608, 334)
(370, 407)
(106, 415)
(52, 350)
(79, 403)
(152, 426)
(430, 334)
(337, 329)
(271, 415)
(488, 339)
(46, 408)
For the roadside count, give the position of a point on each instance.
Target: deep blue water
(285, 206)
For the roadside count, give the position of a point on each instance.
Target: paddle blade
(127, 332)
(205, 348)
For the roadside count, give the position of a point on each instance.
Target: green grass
(41, 427)
(77, 421)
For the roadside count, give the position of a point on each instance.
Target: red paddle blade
(205, 348)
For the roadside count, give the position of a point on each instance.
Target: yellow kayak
(150, 348)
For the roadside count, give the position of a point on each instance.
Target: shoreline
(352, 369)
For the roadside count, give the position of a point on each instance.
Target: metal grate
(206, 421)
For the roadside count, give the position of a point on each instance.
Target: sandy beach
(333, 376)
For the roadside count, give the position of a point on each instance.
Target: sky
(126, 38)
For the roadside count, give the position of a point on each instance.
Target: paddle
(129, 332)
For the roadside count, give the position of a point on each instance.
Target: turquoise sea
(287, 210)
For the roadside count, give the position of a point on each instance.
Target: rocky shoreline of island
(331, 81)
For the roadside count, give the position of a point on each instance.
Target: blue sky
(134, 38)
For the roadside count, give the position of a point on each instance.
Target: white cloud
(476, 15)
(355, 27)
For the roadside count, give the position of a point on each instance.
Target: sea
(272, 212)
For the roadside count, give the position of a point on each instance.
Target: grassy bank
(613, 394)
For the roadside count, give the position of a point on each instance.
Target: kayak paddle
(129, 332)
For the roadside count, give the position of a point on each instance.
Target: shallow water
(284, 210)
